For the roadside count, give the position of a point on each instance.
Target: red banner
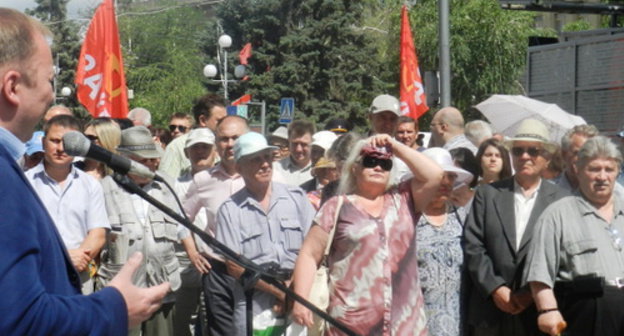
(244, 99)
(244, 54)
(100, 79)
(413, 100)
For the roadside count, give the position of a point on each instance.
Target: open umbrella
(506, 112)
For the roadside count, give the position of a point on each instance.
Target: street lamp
(211, 70)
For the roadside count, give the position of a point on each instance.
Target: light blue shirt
(76, 207)
(14, 145)
(263, 237)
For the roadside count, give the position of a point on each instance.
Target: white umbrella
(506, 112)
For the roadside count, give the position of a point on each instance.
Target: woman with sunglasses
(373, 271)
(105, 133)
(440, 256)
(494, 161)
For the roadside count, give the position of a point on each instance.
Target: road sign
(287, 110)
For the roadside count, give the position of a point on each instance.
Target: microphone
(76, 144)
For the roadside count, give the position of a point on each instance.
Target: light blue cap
(35, 144)
(250, 143)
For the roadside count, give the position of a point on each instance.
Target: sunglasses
(182, 129)
(371, 162)
(519, 151)
(91, 137)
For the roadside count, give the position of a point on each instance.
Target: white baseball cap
(384, 103)
(199, 135)
(250, 143)
(324, 139)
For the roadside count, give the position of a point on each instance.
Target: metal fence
(584, 76)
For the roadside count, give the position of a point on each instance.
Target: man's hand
(522, 300)
(80, 258)
(201, 264)
(551, 323)
(141, 302)
(502, 300)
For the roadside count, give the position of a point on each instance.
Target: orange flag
(100, 79)
(244, 99)
(244, 54)
(413, 100)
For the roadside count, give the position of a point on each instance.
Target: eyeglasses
(372, 162)
(182, 129)
(519, 151)
(91, 137)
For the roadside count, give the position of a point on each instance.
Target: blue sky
(74, 7)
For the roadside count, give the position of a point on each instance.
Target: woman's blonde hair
(108, 133)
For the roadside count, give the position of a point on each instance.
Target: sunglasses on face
(371, 162)
(182, 129)
(91, 137)
(533, 151)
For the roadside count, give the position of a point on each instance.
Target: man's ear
(10, 81)
(203, 121)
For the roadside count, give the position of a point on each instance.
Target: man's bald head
(446, 124)
(56, 110)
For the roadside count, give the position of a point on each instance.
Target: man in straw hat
(498, 234)
(575, 265)
(39, 285)
(138, 226)
(265, 222)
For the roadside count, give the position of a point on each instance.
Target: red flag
(242, 100)
(244, 54)
(100, 79)
(413, 100)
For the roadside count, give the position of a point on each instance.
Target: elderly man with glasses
(575, 267)
(498, 235)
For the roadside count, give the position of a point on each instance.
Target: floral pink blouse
(373, 271)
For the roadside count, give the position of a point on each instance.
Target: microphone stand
(253, 272)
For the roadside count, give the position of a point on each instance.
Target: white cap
(324, 139)
(281, 132)
(250, 143)
(199, 135)
(384, 103)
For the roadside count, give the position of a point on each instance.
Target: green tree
(66, 47)
(488, 45)
(311, 50)
(163, 58)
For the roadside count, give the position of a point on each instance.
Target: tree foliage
(66, 47)
(163, 59)
(311, 50)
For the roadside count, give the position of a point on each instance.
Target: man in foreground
(265, 222)
(576, 266)
(39, 284)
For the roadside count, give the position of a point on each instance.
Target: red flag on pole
(244, 99)
(244, 54)
(100, 79)
(413, 100)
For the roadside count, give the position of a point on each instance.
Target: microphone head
(75, 144)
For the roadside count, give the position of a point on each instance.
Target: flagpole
(445, 54)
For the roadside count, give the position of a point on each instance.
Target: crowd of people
(472, 233)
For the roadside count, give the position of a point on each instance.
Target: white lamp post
(211, 71)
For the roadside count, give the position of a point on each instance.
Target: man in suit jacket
(497, 237)
(39, 286)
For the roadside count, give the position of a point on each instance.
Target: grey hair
(142, 115)
(588, 131)
(477, 130)
(598, 147)
(347, 178)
